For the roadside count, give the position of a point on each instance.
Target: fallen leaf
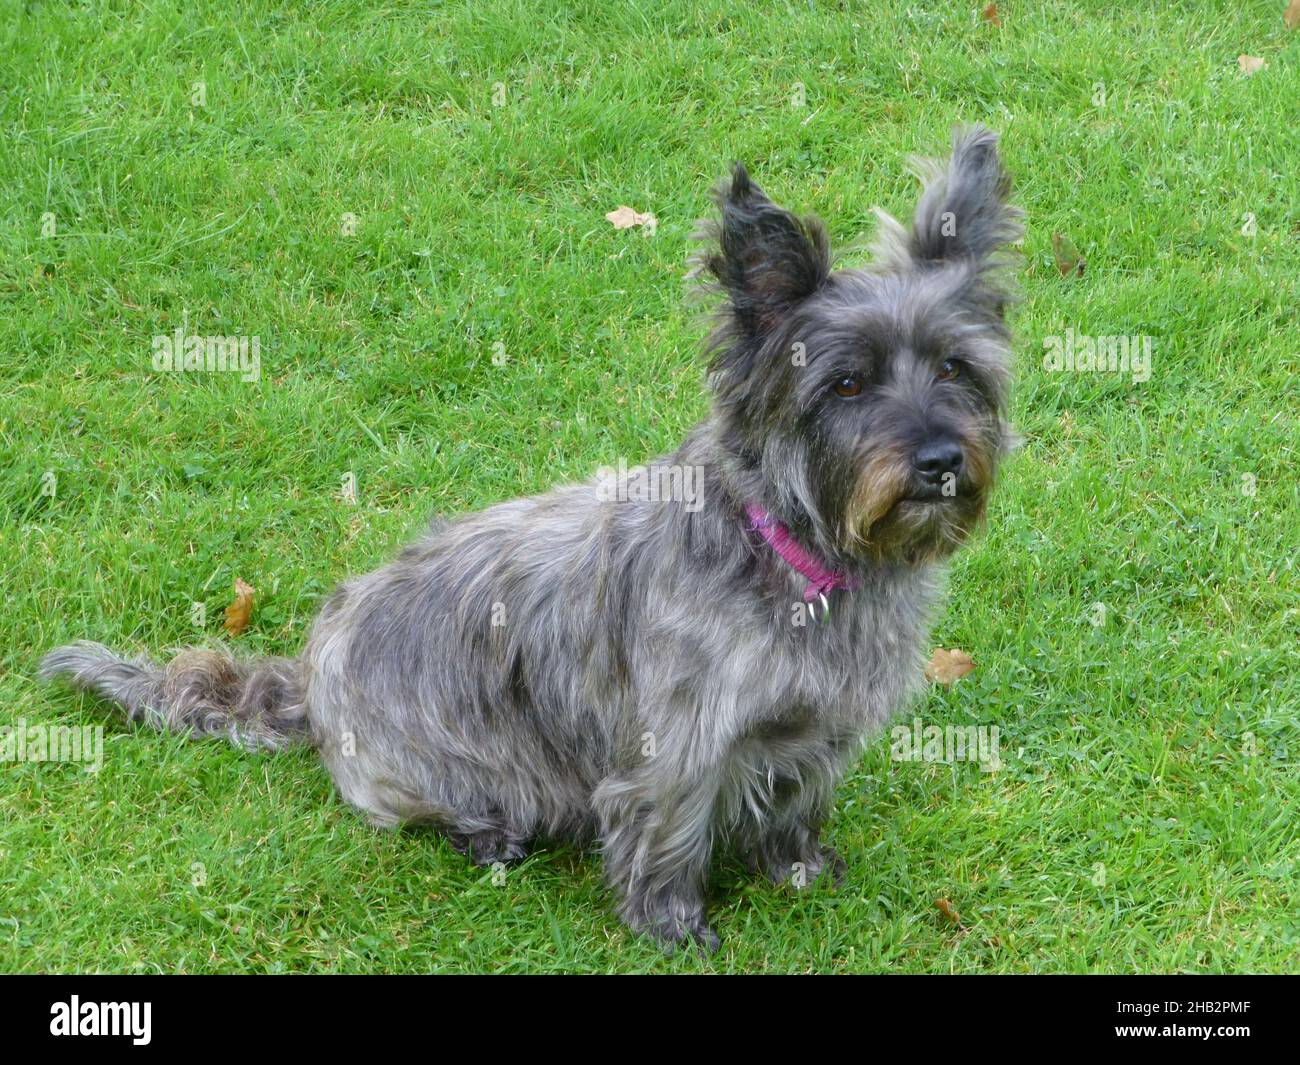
(1251, 64)
(238, 612)
(1291, 16)
(990, 14)
(945, 908)
(626, 218)
(1068, 259)
(945, 667)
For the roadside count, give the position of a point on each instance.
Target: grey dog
(669, 679)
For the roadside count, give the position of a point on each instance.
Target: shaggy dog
(669, 676)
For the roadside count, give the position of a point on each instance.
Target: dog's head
(866, 407)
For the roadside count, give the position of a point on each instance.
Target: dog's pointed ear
(764, 258)
(963, 214)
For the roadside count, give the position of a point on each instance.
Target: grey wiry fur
(206, 693)
(644, 673)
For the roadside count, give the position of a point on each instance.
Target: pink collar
(820, 579)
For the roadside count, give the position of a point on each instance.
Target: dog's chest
(855, 668)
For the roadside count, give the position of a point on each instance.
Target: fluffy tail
(204, 693)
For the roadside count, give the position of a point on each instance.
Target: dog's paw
(695, 933)
(706, 939)
(834, 867)
(823, 864)
(490, 846)
(674, 929)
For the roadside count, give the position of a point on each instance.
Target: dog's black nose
(936, 458)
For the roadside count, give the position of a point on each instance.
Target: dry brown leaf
(238, 612)
(1068, 259)
(626, 218)
(990, 14)
(945, 908)
(1251, 64)
(1291, 16)
(945, 667)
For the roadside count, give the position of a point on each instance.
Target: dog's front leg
(785, 845)
(657, 835)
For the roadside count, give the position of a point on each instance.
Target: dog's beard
(925, 530)
(881, 485)
(887, 518)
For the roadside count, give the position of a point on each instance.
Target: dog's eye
(847, 386)
(948, 369)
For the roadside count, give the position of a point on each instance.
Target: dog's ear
(962, 216)
(764, 258)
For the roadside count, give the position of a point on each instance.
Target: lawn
(405, 203)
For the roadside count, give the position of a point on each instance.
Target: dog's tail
(257, 704)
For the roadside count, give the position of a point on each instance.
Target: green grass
(1125, 744)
